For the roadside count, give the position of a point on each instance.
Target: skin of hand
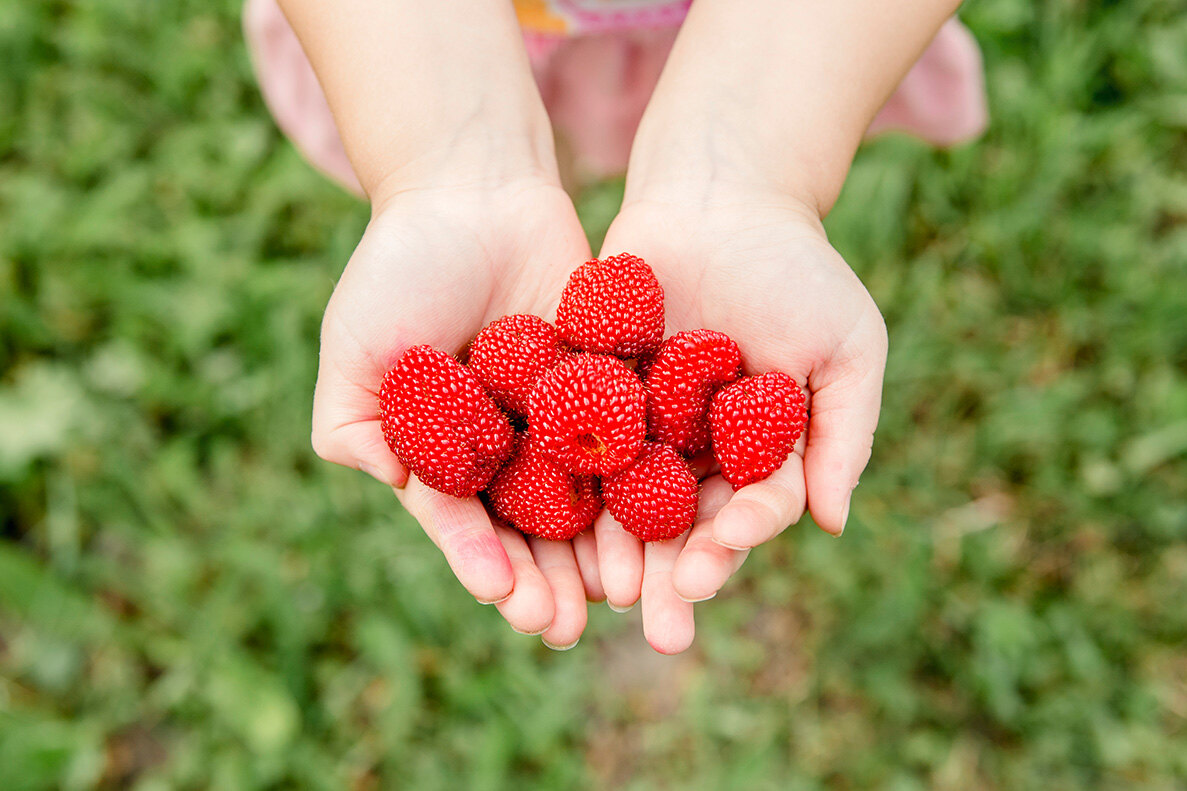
(434, 266)
(743, 149)
(446, 131)
(715, 217)
(760, 269)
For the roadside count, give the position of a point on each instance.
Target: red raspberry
(687, 371)
(440, 424)
(535, 495)
(590, 414)
(510, 354)
(755, 423)
(615, 306)
(656, 497)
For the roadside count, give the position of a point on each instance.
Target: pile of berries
(550, 423)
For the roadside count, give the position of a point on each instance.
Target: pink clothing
(596, 84)
(587, 17)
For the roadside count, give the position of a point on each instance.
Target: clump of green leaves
(189, 599)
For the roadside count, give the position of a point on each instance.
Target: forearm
(420, 87)
(776, 94)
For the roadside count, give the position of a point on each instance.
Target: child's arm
(744, 147)
(777, 95)
(448, 136)
(423, 91)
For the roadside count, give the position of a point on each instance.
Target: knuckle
(326, 446)
(320, 442)
(879, 337)
(467, 542)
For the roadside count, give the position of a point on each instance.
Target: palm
(763, 273)
(434, 268)
(767, 277)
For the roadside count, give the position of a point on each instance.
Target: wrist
(776, 95)
(426, 93)
(479, 154)
(716, 172)
(715, 159)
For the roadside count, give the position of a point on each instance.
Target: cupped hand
(433, 267)
(759, 268)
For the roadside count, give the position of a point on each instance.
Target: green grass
(190, 599)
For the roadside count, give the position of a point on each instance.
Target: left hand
(758, 267)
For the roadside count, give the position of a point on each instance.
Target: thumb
(846, 399)
(346, 428)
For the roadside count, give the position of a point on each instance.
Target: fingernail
(374, 473)
(735, 548)
(529, 634)
(618, 609)
(845, 513)
(694, 601)
(495, 601)
(560, 647)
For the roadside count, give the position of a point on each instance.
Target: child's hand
(756, 266)
(434, 266)
(744, 147)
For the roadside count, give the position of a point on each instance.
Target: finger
(529, 609)
(845, 405)
(620, 562)
(704, 565)
(760, 511)
(585, 547)
(667, 619)
(462, 530)
(559, 566)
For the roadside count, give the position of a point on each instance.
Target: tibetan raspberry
(688, 370)
(612, 306)
(656, 497)
(755, 423)
(510, 354)
(589, 413)
(534, 494)
(440, 423)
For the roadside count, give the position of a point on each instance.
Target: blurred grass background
(190, 599)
